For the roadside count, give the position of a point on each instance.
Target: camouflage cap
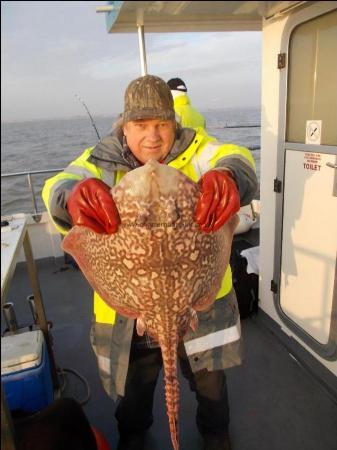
(148, 97)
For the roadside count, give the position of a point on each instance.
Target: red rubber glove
(219, 200)
(91, 205)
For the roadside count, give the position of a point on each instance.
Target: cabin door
(306, 292)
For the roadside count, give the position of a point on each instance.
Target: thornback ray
(159, 268)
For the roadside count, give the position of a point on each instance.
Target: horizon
(112, 115)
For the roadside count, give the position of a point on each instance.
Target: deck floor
(275, 403)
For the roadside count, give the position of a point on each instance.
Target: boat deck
(276, 404)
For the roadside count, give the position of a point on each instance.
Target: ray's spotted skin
(159, 268)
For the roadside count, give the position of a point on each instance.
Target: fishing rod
(92, 120)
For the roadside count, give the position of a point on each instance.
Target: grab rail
(30, 181)
(36, 172)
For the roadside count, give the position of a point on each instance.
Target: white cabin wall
(270, 80)
(273, 100)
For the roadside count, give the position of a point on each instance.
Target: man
(187, 114)
(129, 364)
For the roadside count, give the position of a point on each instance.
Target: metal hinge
(281, 60)
(274, 286)
(277, 185)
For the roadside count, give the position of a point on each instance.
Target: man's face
(150, 138)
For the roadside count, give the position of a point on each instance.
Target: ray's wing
(95, 256)
(224, 239)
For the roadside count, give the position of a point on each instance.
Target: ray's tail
(169, 353)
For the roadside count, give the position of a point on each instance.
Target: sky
(52, 51)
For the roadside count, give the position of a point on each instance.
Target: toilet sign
(313, 132)
(312, 161)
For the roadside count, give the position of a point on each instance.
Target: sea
(51, 144)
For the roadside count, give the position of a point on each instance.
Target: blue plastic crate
(25, 371)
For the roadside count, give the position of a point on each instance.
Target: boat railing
(29, 174)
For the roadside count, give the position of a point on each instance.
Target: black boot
(135, 441)
(216, 442)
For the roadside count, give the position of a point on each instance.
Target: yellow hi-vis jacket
(188, 116)
(202, 154)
